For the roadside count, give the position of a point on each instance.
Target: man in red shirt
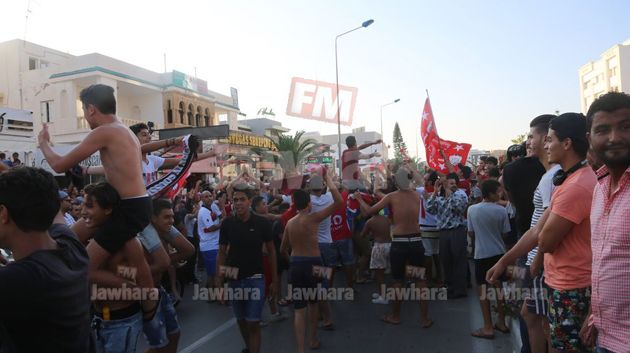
(342, 239)
(350, 162)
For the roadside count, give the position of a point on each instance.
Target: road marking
(210, 335)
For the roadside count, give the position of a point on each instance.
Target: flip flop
(428, 325)
(388, 319)
(506, 330)
(314, 346)
(479, 334)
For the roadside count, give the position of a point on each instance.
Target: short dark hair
(489, 186)
(541, 123)
(100, 96)
(351, 141)
(466, 170)
(433, 177)
(492, 159)
(494, 173)
(104, 194)
(256, 200)
(244, 188)
(301, 199)
(483, 158)
(31, 196)
(453, 176)
(608, 103)
(136, 128)
(572, 126)
(2, 155)
(161, 204)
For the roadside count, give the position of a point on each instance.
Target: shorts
(301, 278)
(380, 256)
(431, 243)
(210, 262)
(342, 249)
(163, 324)
(248, 304)
(567, 312)
(128, 218)
(117, 336)
(406, 250)
(484, 265)
(538, 293)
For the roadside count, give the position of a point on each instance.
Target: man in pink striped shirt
(609, 322)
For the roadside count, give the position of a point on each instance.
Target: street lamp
(383, 136)
(363, 25)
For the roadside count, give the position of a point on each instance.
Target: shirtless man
(379, 227)
(300, 235)
(120, 154)
(117, 322)
(406, 248)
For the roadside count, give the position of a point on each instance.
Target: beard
(615, 158)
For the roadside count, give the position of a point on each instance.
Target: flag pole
(435, 127)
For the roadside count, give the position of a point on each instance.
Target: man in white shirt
(66, 206)
(209, 220)
(319, 201)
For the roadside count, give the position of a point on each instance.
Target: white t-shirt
(318, 203)
(150, 168)
(206, 219)
(426, 220)
(542, 200)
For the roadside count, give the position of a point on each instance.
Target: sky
(489, 66)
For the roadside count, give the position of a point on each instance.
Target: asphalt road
(212, 328)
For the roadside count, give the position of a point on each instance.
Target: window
(43, 64)
(46, 111)
(32, 63)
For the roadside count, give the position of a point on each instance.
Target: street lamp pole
(383, 136)
(363, 25)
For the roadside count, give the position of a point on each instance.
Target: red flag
(454, 151)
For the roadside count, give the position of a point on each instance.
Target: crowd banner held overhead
(169, 185)
(317, 100)
(454, 151)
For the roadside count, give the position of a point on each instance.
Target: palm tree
(292, 150)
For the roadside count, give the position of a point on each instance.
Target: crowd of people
(94, 269)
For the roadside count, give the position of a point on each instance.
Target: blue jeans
(603, 350)
(117, 336)
(163, 324)
(247, 296)
(342, 248)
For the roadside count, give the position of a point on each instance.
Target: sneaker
(380, 300)
(279, 316)
(264, 323)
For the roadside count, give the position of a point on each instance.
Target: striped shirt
(542, 199)
(610, 243)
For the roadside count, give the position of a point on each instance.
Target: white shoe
(380, 300)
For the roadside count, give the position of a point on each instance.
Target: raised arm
(338, 202)
(366, 145)
(156, 145)
(94, 141)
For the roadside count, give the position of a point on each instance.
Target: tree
(519, 139)
(293, 150)
(400, 148)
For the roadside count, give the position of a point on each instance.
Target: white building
(48, 82)
(611, 72)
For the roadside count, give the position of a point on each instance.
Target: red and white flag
(454, 151)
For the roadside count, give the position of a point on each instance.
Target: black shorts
(128, 218)
(302, 279)
(405, 251)
(482, 266)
